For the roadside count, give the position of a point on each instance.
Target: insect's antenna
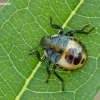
(32, 50)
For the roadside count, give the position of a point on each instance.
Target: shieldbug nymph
(62, 51)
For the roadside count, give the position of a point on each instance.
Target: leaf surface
(22, 25)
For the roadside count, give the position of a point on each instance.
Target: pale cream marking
(55, 35)
(63, 63)
(45, 53)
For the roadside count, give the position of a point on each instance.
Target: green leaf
(22, 25)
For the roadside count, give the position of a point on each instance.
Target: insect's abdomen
(74, 55)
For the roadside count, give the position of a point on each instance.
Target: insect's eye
(48, 37)
(42, 40)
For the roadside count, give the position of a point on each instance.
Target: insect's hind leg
(54, 72)
(56, 27)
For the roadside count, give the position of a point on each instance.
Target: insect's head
(45, 41)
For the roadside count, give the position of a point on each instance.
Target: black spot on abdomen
(73, 56)
(77, 59)
(70, 55)
(69, 58)
(82, 61)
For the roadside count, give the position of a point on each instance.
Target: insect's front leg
(38, 55)
(56, 26)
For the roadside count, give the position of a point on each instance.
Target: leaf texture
(22, 25)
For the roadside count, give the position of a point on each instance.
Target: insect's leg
(56, 27)
(38, 55)
(48, 71)
(70, 33)
(53, 70)
(43, 58)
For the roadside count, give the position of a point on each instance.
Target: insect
(62, 51)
